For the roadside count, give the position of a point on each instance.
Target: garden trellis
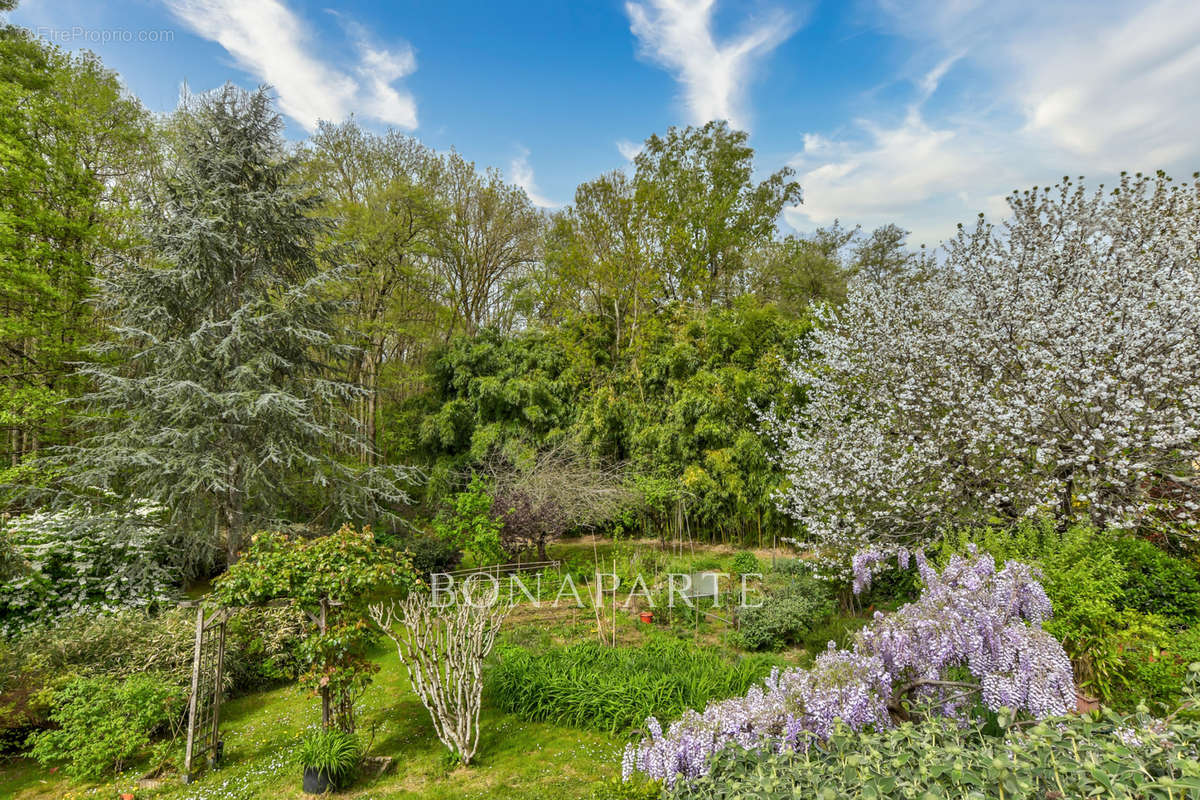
(208, 672)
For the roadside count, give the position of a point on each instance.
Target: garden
(335, 467)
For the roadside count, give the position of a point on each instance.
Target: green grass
(516, 759)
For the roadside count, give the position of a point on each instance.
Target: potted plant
(328, 756)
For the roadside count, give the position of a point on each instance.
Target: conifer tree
(216, 397)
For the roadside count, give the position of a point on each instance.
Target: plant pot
(316, 781)
(646, 616)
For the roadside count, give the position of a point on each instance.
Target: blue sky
(924, 113)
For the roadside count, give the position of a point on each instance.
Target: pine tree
(216, 397)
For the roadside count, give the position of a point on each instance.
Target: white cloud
(522, 175)
(267, 39)
(628, 150)
(1074, 88)
(678, 35)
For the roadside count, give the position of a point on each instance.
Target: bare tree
(558, 492)
(443, 650)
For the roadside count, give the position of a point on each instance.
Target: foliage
(589, 685)
(785, 615)
(73, 562)
(1106, 755)
(216, 400)
(1157, 582)
(76, 148)
(104, 725)
(469, 524)
(332, 752)
(678, 405)
(973, 636)
(333, 579)
(1045, 369)
(745, 563)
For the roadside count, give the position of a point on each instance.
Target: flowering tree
(972, 618)
(1050, 367)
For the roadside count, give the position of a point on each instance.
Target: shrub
(332, 752)
(103, 725)
(1108, 756)
(260, 649)
(432, 553)
(589, 685)
(67, 562)
(1156, 582)
(785, 615)
(745, 563)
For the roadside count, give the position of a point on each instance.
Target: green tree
(72, 143)
(217, 399)
(380, 191)
(704, 212)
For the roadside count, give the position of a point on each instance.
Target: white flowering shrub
(1047, 367)
(68, 562)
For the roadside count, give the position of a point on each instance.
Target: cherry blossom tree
(1048, 367)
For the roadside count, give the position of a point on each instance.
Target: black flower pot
(317, 781)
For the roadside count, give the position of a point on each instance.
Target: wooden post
(325, 711)
(215, 751)
(192, 700)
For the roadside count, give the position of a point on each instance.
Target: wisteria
(971, 616)
(1048, 367)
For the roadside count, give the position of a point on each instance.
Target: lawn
(516, 759)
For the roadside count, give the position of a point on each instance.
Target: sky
(925, 113)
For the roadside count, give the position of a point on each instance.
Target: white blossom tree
(443, 649)
(1050, 366)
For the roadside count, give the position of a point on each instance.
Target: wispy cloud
(678, 35)
(270, 41)
(522, 175)
(1070, 88)
(628, 150)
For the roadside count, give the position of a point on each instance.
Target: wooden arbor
(208, 673)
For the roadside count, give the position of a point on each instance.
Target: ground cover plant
(1103, 755)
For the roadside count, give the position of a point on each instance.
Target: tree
(73, 142)
(1046, 368)
(381, 194)
(794, 272)
(703, 211)
(443, 651)
(484, 245)
(217, 398)
(882, 256)
(557, 492)
(333, 579)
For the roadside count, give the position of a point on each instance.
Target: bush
(615, 689)
(260, 650)
(745, 563)
(1110, 756)
(68, 562)
(1156, 582)
(431, 554)
(785, 616)
(104, 725)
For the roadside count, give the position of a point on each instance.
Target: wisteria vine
(971, 615)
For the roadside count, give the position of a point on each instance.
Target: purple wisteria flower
(971, 615)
